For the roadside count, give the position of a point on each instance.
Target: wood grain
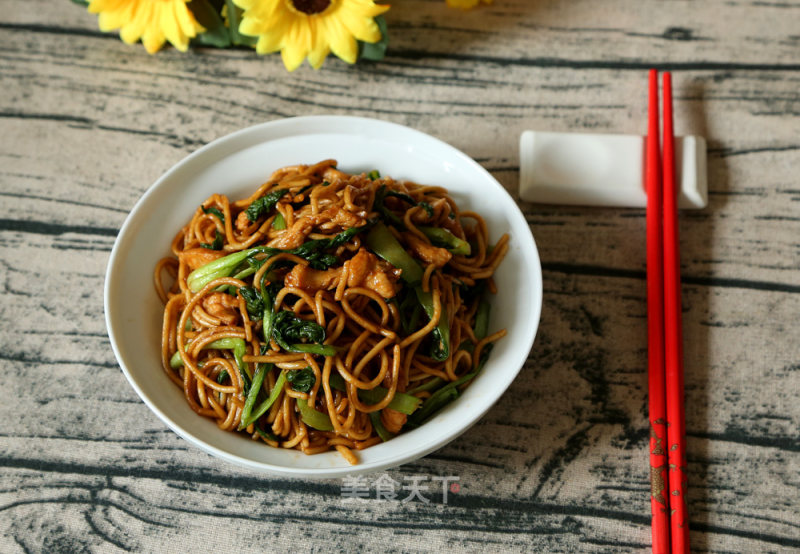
(560, 464)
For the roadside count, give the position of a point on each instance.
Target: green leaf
(375, 51)
(216, 33)
(214, 210)
(302, 380)
(234, 19)
(263, 205)
(217, 244)
(253, 302)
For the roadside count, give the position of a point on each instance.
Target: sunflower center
(310, 6)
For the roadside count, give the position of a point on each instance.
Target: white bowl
(235, 165)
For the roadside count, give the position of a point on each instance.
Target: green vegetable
(294, 334)
(313, 418)
(402, 402)
(266, 435)
(444, 238)
(268, 294)
(440, 349)
(263, 205)
(446, 394)
(279, 222)
(436, 402)
(253, 302)
(217, 244)
(301, 380)
(221, 267)
(214, 210)
(374, 174)
(222, 376)
(401, 195)
(379, 206)
(482, 319)
(238, 346)
(313, 251)
(262, 409)
(375, 418)
(434, 383)
(382, 242)
(409, 309)
(428, 208)
(252, 394)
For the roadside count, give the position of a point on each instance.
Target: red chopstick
(673, 339)
(659, 503)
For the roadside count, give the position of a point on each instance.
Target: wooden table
(88, 123)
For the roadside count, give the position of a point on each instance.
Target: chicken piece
(312, 280)
(222, 306)
(198, 257)
(369, 272)
(427, 252)
(295, 235)
(393, 420)
(242, 221)
(339, 217)
(331, 174)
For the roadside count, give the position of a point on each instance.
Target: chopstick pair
(670, 524)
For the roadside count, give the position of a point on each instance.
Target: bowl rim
(253, 132)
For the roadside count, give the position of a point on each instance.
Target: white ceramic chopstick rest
(603, 170)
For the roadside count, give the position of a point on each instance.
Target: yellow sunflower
(310, 28)
(152, 21)
(466, 4)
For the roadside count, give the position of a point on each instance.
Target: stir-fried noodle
(327, 310)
